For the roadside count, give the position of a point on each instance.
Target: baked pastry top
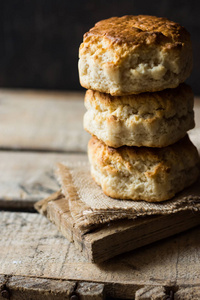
(140, 30)
(135, 54)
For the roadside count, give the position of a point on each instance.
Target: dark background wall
(39, 39)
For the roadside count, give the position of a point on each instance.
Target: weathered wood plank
(90, 291)
(27, 177)
(32, 246)
(29, 288)
(151, 292)
(26, 288)
(46, 120)
(120, 236)
(42, 121)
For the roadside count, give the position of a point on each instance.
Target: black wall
(39, 39)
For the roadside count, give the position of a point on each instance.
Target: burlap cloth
(90, 207)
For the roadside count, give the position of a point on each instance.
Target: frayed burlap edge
(86, 218)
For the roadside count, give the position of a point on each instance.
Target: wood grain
(27, 177)
(47, 120)
(151, 292)
(29, 120)
(90, 291)
(42, 121)
(116, 237)
(31, 249)
(44, 253)
(29, 288)
(26, 288)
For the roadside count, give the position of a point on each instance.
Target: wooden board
(29, 288)
(42, 121)
(31, 246)
(35, 260)
(27, 177)
(47, 120)
(25, 288)
(117, 237)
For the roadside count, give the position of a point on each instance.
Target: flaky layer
(148, 119)
(134, 54)
(150, 174)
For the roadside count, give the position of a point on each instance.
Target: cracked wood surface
(120, 236)
(27, 177)
(29, 120)
(31, 246)
(32, 252)
(29, 288)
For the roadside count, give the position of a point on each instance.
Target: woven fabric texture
(90, 207)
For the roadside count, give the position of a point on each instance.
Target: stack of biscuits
(138, 108)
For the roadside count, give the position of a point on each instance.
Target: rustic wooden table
(39, 129)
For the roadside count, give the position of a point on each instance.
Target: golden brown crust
(147, 119)
(164, 157)
(166, 100)
(135, 54)
(150, 174)
(140, 30)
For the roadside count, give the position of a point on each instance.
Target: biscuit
(148, 119)
(150, 174)
(134, 54)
